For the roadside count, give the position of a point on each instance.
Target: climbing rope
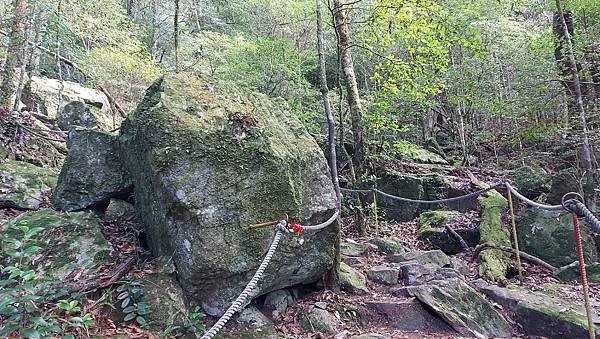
(282, 228)
(426, 202)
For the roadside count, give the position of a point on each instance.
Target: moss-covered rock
(532, 181)
(207, 160)
(391, 245)
(561, 183)
(119, 210)
(402, 185)
(315, 319)
(549, 236)
(92, 172)
(543, 312)
(494, 263)
(571, 272)
(22, 185)
(165, 299)
(69, 242)
(463, 308)
(352, 280)
(433, 231)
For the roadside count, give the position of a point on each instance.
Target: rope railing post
(575, 207)
(514, 235)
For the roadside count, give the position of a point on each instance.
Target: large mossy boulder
(463, 308)
(22, 185)
(92, 172)
(207, 160)
(494, 263)
(79, 114)
(432, 230)
(543, 312)
(69, 242)
(532, 181)
(549, 236)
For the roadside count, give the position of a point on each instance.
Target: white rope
(323, 224)
(243, 297)
(531, 202)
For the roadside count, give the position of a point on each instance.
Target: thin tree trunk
(14, 57)
(344, 44)
(588, 157)
(334, 280)
(176, 35)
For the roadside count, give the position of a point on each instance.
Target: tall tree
(345, 44)
(14, 56)
(334, 281)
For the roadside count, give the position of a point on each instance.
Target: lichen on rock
(22, 185)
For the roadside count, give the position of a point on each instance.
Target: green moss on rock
(494, 263)
(71, 241)
(22, 185)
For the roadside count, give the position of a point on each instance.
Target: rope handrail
(426, 202)
(282, 228)
(531, 202)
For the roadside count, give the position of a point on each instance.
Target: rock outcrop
(92, 172)
(206, 161)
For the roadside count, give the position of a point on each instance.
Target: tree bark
(347, 63)
(561, 28)
(333, 276)
(14, 57)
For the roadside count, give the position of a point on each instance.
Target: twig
(94, 284)
(457, 237)
(528, 257)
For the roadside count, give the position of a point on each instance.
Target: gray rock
(383, 275)
(432, 230)
(436, 257)
(460, 266)
(92, 172)
(320, 304)
(78, 114)
(543, 312)
(70, 242)
(352, 280)
(414, 274)
(208, 159)
(408, 315)
(354, 249)
(391, 245)
(119, 210)
(463, 308)
(42, 96)
(253, 317)
(165, 299)
(278, 301)
(370, 336)
(540, 231)
(354, 261)
(532, 181)
(22, 185)
(315, 319)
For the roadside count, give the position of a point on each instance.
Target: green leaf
(36, 230)
(14, 241)
(140, 320)
(31, 333)
(129, 317)
(25, 229)
(39, 321)
(123, 295)
(32, 249)
(68, 336)
(8, 329)
(128, 309)
(125, 302)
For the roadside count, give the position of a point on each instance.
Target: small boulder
(463, 308)
(315, 319)
(354, 249)
(278, 301)
(548, 235)
(416, 274)
(92, 172)
(435, 257)
(383, 275)
(70, 242)
(391, 245)
(253, 324)
(22, 185)
(352, 280)
(166, 302)
(119, 210)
